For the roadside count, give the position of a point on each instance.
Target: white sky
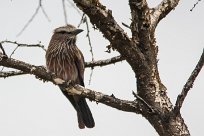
(29, 107)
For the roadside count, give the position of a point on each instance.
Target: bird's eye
(62, 32)
(65, 32)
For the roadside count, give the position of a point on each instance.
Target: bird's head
(68, 30)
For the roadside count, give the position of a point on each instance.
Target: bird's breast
(62, 63)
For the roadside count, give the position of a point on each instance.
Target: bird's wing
(79, 62)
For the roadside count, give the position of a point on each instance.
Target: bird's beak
(77, 31)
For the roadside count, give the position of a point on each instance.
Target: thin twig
(189, 84)
(33, 16)
(4, 54)
(126, 25)
(143, 101)
(195, 5)
(89, 39)
(82, 20)
(90, 77)
(64, 11)
(24, 45)
(29, 21)
(45, 14)
(91, 48)
(19, 45)
(13, 51)
(105, 62)
(11, 74)
(1, 47)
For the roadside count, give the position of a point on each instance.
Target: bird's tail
(84, 114)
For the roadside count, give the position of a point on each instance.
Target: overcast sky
(29, 107)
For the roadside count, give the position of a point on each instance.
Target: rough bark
(140, 52)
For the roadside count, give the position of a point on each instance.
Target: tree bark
(140, 52)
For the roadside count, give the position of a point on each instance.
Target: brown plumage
(65, 60)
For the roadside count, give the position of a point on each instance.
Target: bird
(66, 61)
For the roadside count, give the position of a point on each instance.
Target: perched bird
(65, 60)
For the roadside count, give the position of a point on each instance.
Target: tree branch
(11, 73)
(189, 84)
(160, 11)
(141, 30)
(41, 73)
(140, 17)
(112, 101)
(104, 62)
(24, 45)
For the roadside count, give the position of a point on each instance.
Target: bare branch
(84, 20)
(189, 84)
(65, 12)
(13, 51)
(163, 9)
(90, 77)
(44, 13)
(11, 74)
(33, 16)
(109, 100)
(89, 38)
(140, 18)
(126, 25)
(29, 21)
(104, 62)
(195, 5)
(24, 45)
(91, 48)
(41, 73)
(21, 45)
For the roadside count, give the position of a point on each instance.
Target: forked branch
(40, 6)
